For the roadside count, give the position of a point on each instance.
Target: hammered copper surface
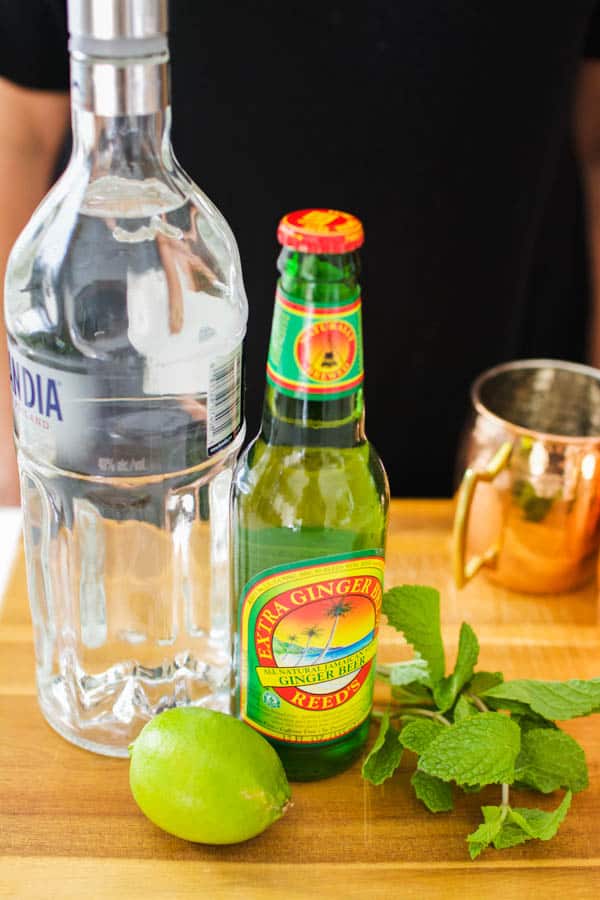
(541, 513)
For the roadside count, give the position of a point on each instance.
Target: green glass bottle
(309, 514)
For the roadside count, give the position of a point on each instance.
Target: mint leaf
(539, 824)
(466, 659)
(483, 681)
(550, 759)
(434, 793)
(385, 755)
(413, 694)
(415, 611)
(464, 709)
(535, 508)
(529, 720)
(483, 836)
(418, 735)
(550, 699)
(509, 836)
(408, 680)
(479, 750)
(402, 673)
(513, 706)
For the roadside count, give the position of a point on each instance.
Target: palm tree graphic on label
(336, 611)
(292, 638)
(312, 632)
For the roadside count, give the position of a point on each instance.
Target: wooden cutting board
(69, 827)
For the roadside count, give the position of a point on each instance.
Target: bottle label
(308, 638)
(102, 422)
(315, 351)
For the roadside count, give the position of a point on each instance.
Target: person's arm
(32, 127)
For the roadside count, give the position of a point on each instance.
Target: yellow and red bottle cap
(321, 231)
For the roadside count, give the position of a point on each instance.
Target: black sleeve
(592, 38)
(33, 43)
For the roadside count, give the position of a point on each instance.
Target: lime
(206, 776)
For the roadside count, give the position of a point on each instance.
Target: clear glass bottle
(126, 315)
(310, 503)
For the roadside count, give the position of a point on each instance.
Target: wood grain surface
(69, 827)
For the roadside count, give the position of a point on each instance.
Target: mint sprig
(506, 827)
(469, 729)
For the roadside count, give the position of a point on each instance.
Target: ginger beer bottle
(310, 501)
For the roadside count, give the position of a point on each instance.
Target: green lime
(206, 776)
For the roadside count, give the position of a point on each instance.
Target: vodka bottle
(126, 315)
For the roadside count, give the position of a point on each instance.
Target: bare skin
(32, 128)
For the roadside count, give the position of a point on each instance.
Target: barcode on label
(224, 401)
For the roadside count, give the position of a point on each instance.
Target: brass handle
(463, 570)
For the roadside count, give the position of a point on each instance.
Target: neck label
(315, 351)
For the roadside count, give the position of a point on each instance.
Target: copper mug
(528, 507)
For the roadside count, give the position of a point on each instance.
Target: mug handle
(465, 570)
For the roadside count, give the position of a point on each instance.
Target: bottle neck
(314, 395)
(121, 115)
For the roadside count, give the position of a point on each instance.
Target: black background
(445, 126)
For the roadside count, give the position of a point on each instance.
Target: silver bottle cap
(119, 52)
(118, 28)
